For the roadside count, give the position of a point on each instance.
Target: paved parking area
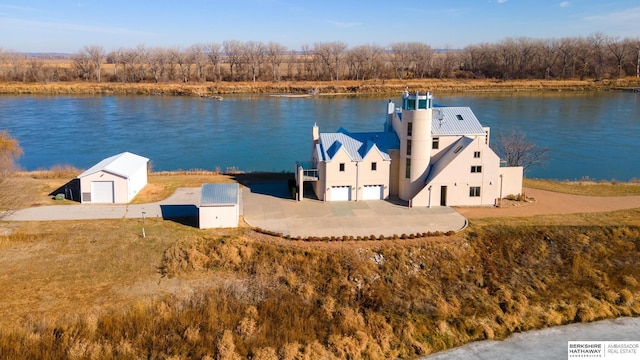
(272, 209)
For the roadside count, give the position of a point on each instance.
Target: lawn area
(586, 188)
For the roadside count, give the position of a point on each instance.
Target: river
(589, 134)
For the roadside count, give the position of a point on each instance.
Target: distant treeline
(597, 56)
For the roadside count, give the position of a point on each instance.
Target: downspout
(357, 178)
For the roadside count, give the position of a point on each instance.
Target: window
(374, 166)
(411, 104)
(409, 128)
(341, 166)
(476, 168)
(408, 147)
(435, 143)
(457, 150)
(407, 172)
(474, 191)
(422, 104)
(459, 117)
(476, 154)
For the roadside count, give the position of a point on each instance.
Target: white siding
(223, 216)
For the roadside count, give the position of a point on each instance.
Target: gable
(124, 165)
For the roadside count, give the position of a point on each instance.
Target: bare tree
(198, 53)
(233, 53)
(82, 64)
(253, 54)
(184, 60)
(518, 151)
(619, 51)
(213, 54)
(158, 60)
(10, 151)
(275, 53)
(330, 55)
(401, 59)
(96, 55)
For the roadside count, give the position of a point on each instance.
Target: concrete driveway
(182, 203)
(267, 206)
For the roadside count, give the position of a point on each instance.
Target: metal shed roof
(357, 145)
(124, 165)
(455, 121)
(219, 194)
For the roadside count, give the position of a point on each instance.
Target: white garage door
(102, 191)
(372, 192)
(340, 193)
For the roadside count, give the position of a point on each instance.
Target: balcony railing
(309, 170)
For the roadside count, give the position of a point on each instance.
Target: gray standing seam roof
(219, 194)
(451, 123)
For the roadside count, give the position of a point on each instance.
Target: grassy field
(97, 289)
(586, 187)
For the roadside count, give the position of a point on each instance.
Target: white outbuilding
(116, 179)
(219, 206)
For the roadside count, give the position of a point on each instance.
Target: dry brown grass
(97, 289)
(187, 293)
(162, 184)
(303, 87)
(586, 187)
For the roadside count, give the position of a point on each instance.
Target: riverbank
(368, 87)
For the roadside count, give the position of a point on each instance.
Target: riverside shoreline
(348, 87)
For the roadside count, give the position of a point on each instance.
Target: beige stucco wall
(355, 175)
(458, 179)
(511, 180)
(120, 186)
(223, 216)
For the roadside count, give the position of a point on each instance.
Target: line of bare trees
(597, 56)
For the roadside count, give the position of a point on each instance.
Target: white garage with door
(340, 193)
(116, 179)
(373, 192)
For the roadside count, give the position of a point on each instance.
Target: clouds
(630, 17)
(344, 25)
(565, 4)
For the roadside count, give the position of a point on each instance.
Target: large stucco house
(427, 155)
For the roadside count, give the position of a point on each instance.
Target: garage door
(372, 192)
(102, 191)
(340, 193)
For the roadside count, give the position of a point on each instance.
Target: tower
(415, 143)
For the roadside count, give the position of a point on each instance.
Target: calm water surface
(594, 134)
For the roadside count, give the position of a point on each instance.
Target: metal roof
(219, 194)
(455, 121)
(124, 165)
(357, 145)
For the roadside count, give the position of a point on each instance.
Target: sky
(68, 26)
